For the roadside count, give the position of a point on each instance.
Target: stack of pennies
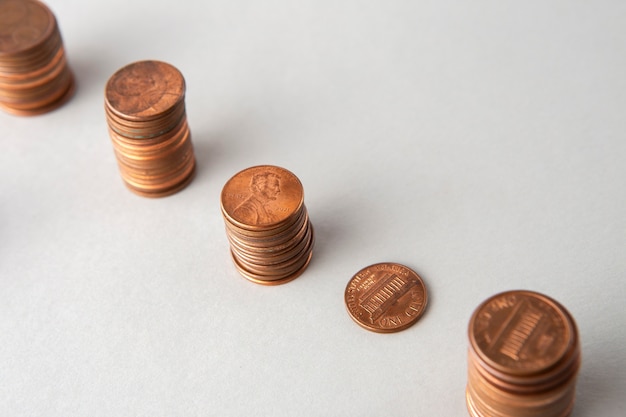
(145, 112)
(523, 358)
(34, 75)
(267, 225)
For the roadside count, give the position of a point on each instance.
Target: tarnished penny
(261, 197)
(34, 75)
(520, 332)
(145, 111)
(386, 297)
(23, 25)
(144, 89)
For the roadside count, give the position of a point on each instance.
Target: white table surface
(482, 144)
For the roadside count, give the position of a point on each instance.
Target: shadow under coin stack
(34, 75)
(145, 111)
(523, 357)
(268, 227)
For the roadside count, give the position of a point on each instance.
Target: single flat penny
(144, 90)
(23, 24)
(386, 297)
(262, 197)
(521, 332)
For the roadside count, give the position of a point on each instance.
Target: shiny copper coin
(386, 297)
(520, 332)
(267, 225)
(262, 197)
(523, 357)
(144, 90)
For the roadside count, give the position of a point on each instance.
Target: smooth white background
(482, 144)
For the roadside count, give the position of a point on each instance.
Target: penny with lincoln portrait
(271, 237)
(262, 197)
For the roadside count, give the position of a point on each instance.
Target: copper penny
(267, 225)
(520, 332)
(262, 197)
(523, 357)
(34, 75)
(47, 104)
(23, 24)
(386, 297)
(144, 90)
(145, 111)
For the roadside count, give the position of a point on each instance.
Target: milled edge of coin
(413, 318)
(46, 108)
(166, 192)
(257, 279)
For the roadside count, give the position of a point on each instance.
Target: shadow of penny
(336, 227)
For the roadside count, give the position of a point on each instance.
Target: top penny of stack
(523, 358)
(34, 75)
(145, 111)
(280, 186)
(267, 224)
(144, 91)
(386, 297)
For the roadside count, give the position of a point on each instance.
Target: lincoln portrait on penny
(138, 87)
(254, 210)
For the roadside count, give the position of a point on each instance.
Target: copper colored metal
(145, 90)
(262, 198)
(270, 234)
(34, 75)
(523, 357)
(386, 297)
(145, 111)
